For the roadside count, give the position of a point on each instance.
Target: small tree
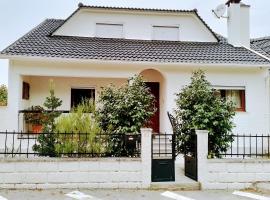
(125, 109)
(46, 141)
(198, 107)
(3, 95)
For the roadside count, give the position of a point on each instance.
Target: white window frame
(112, 24)
(218, 87)
(166, 26)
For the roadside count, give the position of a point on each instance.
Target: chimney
(238, 24)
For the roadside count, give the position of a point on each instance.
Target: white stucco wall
(66, 74)
(255, 119)
(40, 88)
(81, 173)
(137, 25)
(236, 173)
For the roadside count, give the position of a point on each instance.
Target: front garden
(109, 127)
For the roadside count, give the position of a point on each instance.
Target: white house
(96, 46)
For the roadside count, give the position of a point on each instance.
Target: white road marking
(3, 198)
(175, 196)
(79, 195)
(250, 195)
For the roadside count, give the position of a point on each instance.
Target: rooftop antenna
(220, 10)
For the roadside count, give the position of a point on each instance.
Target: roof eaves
(258, 53)
(196, 64)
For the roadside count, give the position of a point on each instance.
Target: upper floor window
(166, 33)
(236, 95)
(104, 30)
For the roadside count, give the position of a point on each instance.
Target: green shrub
(125, 109)
(199, 108)
(46, 141)
(3, 95)
(80, 130)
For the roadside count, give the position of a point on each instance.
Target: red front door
(154, 121)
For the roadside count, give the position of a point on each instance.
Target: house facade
(98, 46)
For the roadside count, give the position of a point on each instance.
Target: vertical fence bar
(250, 140)
(268, 146)
(237, 145)
(12, 151)
(6, 143)
(256, 145)
(244, 146)
(21, 144)
(79, 143)
(159, 144)
(231, 147)
(27, 151)
(262, 145)
(166, 144)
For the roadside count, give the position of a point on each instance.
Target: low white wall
(236, 173)
(232, 173)
(71, 173)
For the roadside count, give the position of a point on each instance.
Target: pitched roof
(194, 11)
(262, 44)
(38, 42)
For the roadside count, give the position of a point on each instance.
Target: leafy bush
(3, 95)
(199, 108)
(46, 141)
(35, 116)
(80, 130)
(125, 109)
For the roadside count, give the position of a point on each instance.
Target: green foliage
(35, 116)
(125, 109)
(80, 130)
(46, 141)
(199, 108)
(86, 106)
(3, 95)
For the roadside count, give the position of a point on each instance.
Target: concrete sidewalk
(119, 195)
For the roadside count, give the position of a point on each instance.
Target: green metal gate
(163, 157)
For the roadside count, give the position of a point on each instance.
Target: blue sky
(19, 16)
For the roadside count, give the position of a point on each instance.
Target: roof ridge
(80, 5)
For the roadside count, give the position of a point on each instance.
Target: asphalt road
(123, 195)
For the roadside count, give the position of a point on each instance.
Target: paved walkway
(126, 195)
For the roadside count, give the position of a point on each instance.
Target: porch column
(14, 98)
(202, 153)
(146, 151)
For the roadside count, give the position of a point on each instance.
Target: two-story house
(96, 46)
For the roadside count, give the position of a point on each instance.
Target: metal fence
(80, 145)
(248, 146)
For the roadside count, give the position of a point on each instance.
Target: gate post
(146, 156)
(202, 153)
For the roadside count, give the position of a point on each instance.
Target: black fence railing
(248, 146)
(80, 145)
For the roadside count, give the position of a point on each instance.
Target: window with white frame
(170, 33)
(105, 30)
(235, 94)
